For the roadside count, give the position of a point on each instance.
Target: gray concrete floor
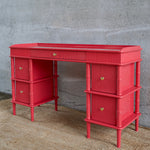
(61, 130)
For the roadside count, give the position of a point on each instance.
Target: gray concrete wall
(76, 21)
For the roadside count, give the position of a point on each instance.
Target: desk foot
(136, 124)
(14, 109)
(32, 113)
(118, 138)
(88, 130)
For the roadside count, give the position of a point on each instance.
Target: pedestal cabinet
(114, 91)
(112, 80)
(32, 82)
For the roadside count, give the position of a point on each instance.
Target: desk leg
(13, 86)
(14, 109)
(118, 113)
(31, 89)
(118, 124)
(118, 138)
(137, 99)
(55, 84)
(88, 98)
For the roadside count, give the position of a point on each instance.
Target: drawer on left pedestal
(21, 69)
(23, 92)
(41, 91)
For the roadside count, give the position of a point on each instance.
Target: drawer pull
(102, 78)
(21, 92)
(54, 54)
(102, 109)
(20, 68)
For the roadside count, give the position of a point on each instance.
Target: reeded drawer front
(23, 92)
(104, 78)
(22, 69)
(41, 69)
(68, 55)
(42, 91)
(104, 109)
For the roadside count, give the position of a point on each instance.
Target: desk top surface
(78, 47)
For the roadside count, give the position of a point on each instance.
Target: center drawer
(53, 54)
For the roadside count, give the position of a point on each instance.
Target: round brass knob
(20, 68)
(102, 109)
(54, 54)
(21, 92)
(101, 78)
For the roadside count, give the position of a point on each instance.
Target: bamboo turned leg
(137, 109)
(118, 138)
(88, 130)
(137, 100)
(31, 89)
(136, 124)
(88, 98)
(119, 124)
(55, 84)
(13, 86)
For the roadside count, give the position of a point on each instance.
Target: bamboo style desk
(112, 80)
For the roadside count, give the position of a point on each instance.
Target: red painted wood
(124, 94)
(137, 98)
(32, 113)
(119, 111)
(109, 74)
(42, 91)
(125, 122)
(108, 82)
(31, 89)
(118, 138)
(13, 86)
(88, 111)
(23, 92)
(79, 52)
(28, 105)
(79, 47)
(40, 69)
(34, 80)
(108, 112)
(59, 54)
(55, 84)
(22, 69)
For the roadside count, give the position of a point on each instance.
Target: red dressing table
(112, 80)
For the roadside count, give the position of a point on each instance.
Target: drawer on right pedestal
(104, 78)
(104, 109)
